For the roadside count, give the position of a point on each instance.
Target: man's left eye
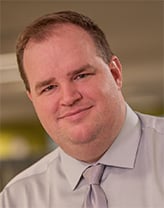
(81, 76)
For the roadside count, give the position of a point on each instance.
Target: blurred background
(135, 32)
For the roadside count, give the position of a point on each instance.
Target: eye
(81, 76)
(49, 88)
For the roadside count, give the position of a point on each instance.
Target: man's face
(76, 95)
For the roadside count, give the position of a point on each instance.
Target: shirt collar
(73, 168)
(122, 153)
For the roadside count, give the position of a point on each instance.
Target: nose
(70, 95)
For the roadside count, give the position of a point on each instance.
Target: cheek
(46, 113)
(110, 88)
(107, 96)
(46, 109)
(101, 90)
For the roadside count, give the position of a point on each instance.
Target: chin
(81, 140)
(83, 136)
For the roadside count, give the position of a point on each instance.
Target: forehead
(60, 31)
(63, 40)
(67, 47)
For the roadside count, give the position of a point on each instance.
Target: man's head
(42, 28)
(75, 87)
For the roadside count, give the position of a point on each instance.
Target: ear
(116, 70)
(29, 95)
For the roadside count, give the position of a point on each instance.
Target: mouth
(74, 113)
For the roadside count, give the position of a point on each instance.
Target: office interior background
(135, 30)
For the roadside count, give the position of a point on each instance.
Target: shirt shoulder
(37, 168)
(152, 123)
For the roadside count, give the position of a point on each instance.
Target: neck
(92, 151)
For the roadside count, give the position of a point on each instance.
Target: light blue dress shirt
(133, 178)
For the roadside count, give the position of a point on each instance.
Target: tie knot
(93, 174)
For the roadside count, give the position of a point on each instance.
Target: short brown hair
(41, 29)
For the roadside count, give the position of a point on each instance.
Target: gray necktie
(95, 197)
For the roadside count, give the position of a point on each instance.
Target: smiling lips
(73, 113)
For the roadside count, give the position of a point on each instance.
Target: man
(74, 82)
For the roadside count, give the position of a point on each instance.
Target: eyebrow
(44, 83)
(81, 69)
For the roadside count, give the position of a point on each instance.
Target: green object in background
(22, 141)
